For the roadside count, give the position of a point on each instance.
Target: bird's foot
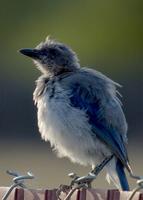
(76, 183)
(84, 181)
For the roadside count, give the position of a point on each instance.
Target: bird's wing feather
(102, 108)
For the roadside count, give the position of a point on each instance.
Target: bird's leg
(99, 167)
(87, 180)
(132, 175)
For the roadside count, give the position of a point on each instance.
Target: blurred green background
(107, 35)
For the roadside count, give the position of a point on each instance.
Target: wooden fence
(81, 194)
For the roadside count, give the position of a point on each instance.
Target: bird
(79, 112)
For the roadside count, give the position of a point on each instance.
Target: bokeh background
(107, 35)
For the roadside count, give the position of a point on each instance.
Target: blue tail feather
(122, 176)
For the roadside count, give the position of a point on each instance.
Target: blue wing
(89, 100)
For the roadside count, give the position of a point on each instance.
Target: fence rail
(19, 191)
(79, 194)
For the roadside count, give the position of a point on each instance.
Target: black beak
(32, 53)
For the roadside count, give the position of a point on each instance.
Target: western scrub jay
(79, 112)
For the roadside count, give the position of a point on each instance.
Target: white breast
(67, 129)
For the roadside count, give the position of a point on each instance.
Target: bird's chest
(56, 116)
(66, 127)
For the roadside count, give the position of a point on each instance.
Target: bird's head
(53, 57)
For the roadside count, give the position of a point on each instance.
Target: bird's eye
(44, 52)
(53, 52)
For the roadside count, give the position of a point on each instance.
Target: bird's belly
(68, 131)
